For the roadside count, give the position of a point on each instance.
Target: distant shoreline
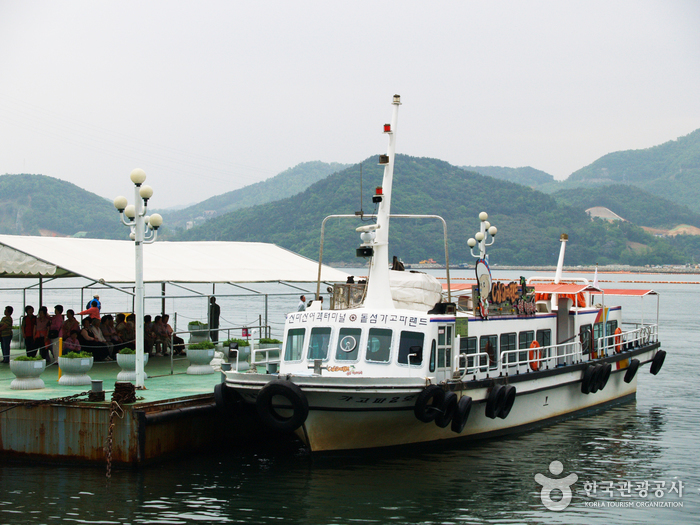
(569, 269)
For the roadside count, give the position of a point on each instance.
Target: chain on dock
(123, 393)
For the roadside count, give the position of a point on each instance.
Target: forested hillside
(285, 184)
(526, 176)
(529, 222)
(632, 204)
(29, 203)
(670, 170)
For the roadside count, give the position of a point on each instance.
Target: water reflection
(655, 437)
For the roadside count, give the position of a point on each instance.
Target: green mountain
(285, 184)
(670, 170)
(630, 203)
(526, 176)
(529, 222)
(29, 203)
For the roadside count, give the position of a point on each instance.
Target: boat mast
(378, 290)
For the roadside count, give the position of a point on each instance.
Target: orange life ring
(618, 340)
(534, 358)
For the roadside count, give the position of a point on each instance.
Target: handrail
(391, 216)
(509, 361)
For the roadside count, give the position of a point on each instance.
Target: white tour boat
(398, 360)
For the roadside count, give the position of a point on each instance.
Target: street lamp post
(144, 230)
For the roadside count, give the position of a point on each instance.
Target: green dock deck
(174, 414)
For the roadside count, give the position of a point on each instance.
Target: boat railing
(640, 336)
(270, 358)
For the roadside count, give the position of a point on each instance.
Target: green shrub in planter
(269, 341)
(204, 345)
(27, 358)
(127, 351)
(241, 342)
(77, 355)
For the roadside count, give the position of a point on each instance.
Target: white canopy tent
(107, 261)
(111, 264)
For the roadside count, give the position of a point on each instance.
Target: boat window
(467, 345)
(294, 344)
(379, 345)
(525, 339)
(610, 327)
(597, 333)
(488, 344)
(432, 356)
(407, 341)
(348, 344)
(508, 343)
(441, 335)
(319, 342)
(544, 337)
(585, 337)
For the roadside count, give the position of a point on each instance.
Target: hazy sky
(210, 96)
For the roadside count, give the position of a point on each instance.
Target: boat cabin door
(565, 326)
(444, 351)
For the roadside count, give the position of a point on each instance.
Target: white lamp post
(144, 230)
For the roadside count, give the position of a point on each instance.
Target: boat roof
(629, 293)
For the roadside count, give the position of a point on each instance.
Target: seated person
(89, 343)
(148, 335)
(178, 342)
(71, 344)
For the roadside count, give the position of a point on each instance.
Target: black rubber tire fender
(604, 375)
(292, 393)
(509, 399)
(228, 401)
(426, 411)
(595, 380)
(657, 362)
(631, 370)
(588, 375)
(459, 421)
(449, 406)
(494, 403)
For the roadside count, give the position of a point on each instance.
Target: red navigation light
(387, 128)
(379, 190)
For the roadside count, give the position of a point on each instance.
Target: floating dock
(175, 414)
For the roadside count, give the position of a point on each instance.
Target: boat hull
(364, 413)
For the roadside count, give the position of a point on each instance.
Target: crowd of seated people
(102, 336)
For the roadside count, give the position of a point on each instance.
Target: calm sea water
(654, 439)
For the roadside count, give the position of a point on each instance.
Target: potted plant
(200, 356)
(199, 331)
(126, 359)
(74, 367)
(27, 371)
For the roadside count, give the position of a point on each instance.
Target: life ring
(618, 340)
(509, 399)
(426, 411)
(292, 393)
(449, 406)
(494, 403)
(657, 362)
(228, 401)
(534, 358)
(459, 420)
(631, 370)
(588, 375)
